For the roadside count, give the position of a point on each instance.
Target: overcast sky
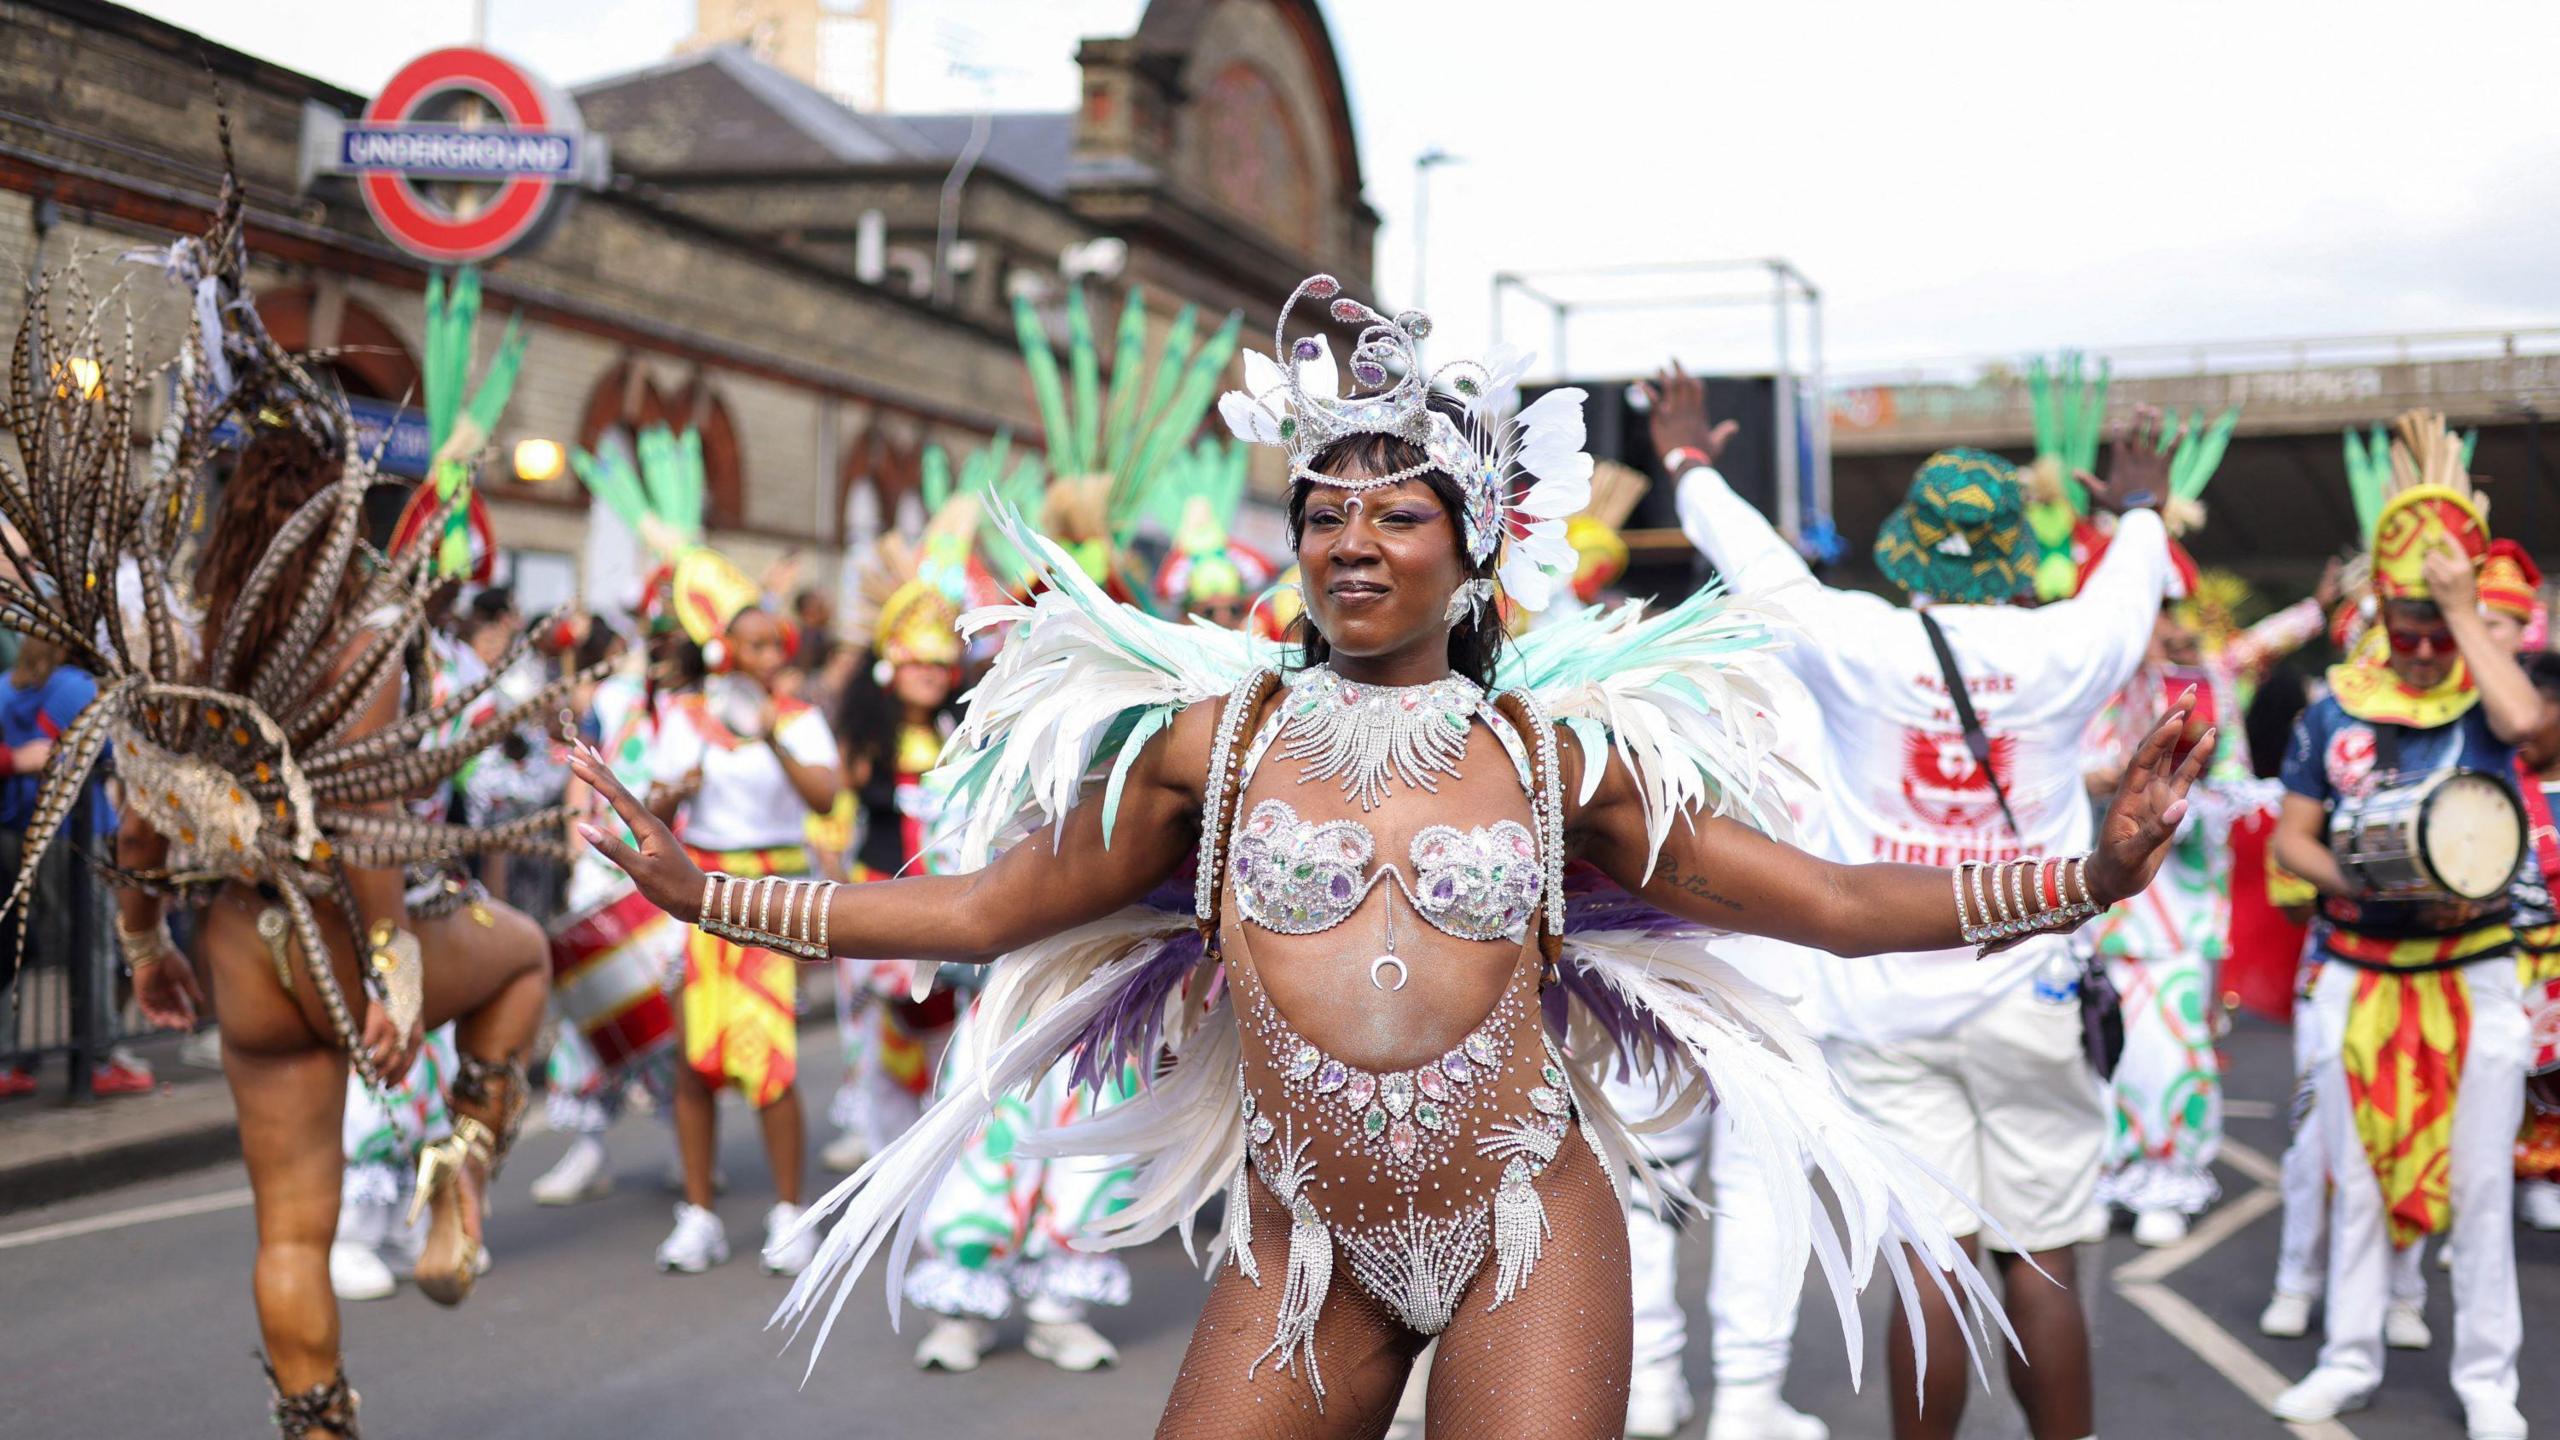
(1959, 177)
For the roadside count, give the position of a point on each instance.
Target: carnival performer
(2538, 950)
(2421, 1028)
(1356, 1051)
(263, 758)
(743, 767)
(2164, 949)
(616, 957)
(1953, 729)
(897, 713)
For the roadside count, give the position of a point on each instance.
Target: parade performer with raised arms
(742, 767)
(1369, 994)
(2420, 1033)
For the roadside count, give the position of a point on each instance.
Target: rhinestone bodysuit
(1409, 1175)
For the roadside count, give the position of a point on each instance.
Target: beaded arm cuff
(2000, 904)
(744, 911)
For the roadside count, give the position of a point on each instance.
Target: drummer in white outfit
(2416, 721)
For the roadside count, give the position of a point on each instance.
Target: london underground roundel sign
(464, 123)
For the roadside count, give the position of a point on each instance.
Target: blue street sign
(462, 153)
(397, 434)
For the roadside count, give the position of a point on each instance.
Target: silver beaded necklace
(1365, 735)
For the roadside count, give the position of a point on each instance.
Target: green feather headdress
(662, 501)
(461, 418)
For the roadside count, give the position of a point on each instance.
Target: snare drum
(607, 968)
(2457, 833)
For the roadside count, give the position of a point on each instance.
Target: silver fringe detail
(1519, 1230)
(1240, 1224)
(1419, 1265)
(1366, 735)
(1511, 1140)
(1310, 1267)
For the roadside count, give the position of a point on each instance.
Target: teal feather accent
(1128, 363)
(1046, 391)
(1084, 370)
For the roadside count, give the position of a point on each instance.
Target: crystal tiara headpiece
(1521, 474)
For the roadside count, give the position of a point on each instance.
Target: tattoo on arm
(1692, 883)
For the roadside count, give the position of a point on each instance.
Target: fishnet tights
(1553, 1363)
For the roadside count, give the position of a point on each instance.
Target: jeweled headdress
(1522, 473)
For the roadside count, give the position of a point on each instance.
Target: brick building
(767, 265)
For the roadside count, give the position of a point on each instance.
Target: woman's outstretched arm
(1057, 878)
(1723, 873)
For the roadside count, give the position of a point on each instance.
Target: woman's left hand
(657, 864)
(2150, 803)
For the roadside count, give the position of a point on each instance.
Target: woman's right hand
(167, 991)
(657, 864)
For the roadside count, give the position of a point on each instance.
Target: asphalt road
(128, 1314)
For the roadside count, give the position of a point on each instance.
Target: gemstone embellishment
(1331, 1077)
(1304, 1062)
(1396, 1093)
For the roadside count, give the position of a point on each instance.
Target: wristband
(1674, 467)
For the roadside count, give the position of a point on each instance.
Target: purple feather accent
(1593, 905)
(1129, 1030)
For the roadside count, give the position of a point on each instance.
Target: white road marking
(2214, 1345)
(2142, 1282)
(121, 1219)
(2251, 1162)
(2227, 1220)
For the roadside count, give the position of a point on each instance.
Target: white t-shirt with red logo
(1899, 783)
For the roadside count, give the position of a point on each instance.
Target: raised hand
(2138, 463)
(1677, 415)
(657, 864)
(2150, 803)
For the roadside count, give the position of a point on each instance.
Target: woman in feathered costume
(265, 757)
(1387, 1009)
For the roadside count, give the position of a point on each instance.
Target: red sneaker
(14, 1083)
(121, 1077)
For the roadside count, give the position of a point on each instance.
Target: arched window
(626, 398)
(880, 472)
(370, 358)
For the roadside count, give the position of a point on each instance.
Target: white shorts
(2006, 1107)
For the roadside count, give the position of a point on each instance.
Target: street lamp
(1423, 165)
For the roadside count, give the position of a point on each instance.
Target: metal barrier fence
(64, 997)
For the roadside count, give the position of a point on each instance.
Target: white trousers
(2302, 1252)
(2488, 1320)
(1752, 1298)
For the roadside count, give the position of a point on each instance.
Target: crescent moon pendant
(1387, 960)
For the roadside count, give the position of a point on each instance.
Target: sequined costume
(1420, 1170)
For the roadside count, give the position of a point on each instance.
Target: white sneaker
(1755, 1412)
(2540, 1204)
(696, 1244)
(2287, 1317)
(2323, 1394)
(2494, 1420)
(1071, 1345)
(356, 1272)
(955, 1343)
(2404, 1327)
(791, 1255)
(2156, 1228)
(1658, 1401)
(845, 1153)
(580, 1176)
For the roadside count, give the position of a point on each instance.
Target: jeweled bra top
(1299, 877)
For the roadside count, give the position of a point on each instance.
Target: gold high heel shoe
(449, 1262)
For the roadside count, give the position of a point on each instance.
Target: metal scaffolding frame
(1789, 293)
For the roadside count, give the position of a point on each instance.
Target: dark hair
(2542, 667)
(1475, 643)
(2268, 722)
(279, 471)
(592, 651)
